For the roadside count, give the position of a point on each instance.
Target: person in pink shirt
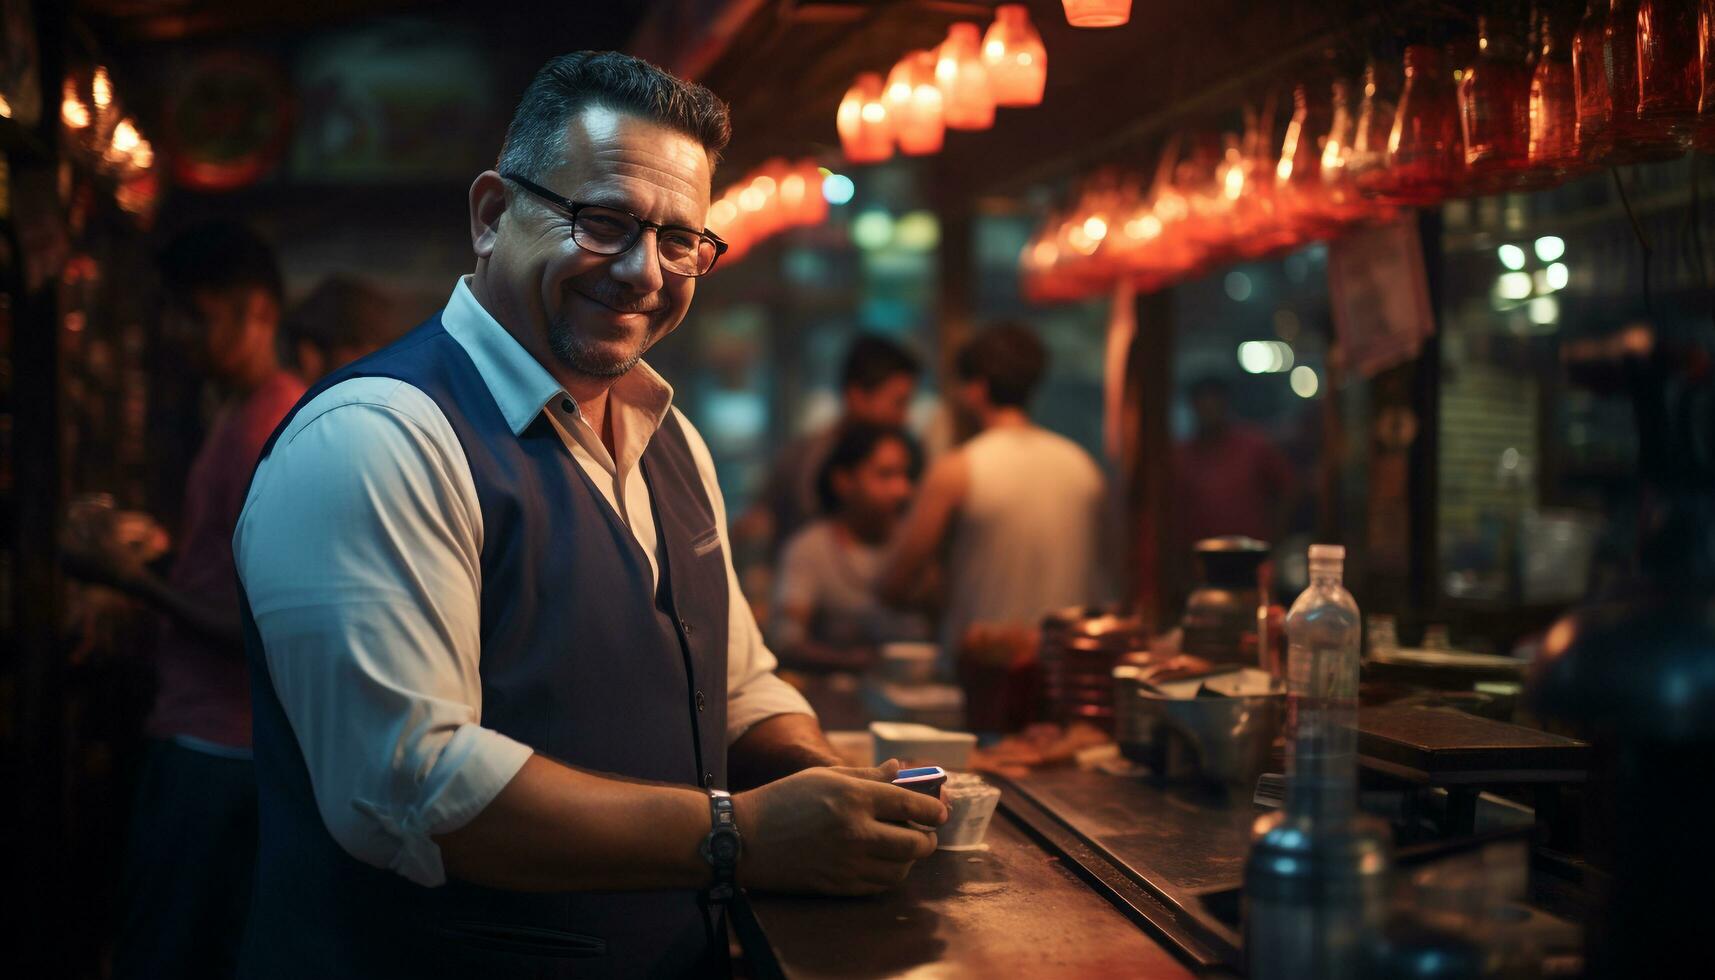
(1231, 479)
(185, 886)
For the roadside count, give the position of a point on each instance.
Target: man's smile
(637, 309)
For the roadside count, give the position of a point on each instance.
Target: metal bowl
(1211, 739)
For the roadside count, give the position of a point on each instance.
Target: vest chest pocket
(706, 542)
(524, 940)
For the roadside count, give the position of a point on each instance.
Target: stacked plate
(1079, 648)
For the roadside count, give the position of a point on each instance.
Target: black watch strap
(723, 845)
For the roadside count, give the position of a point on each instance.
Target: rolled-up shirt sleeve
(359, 550)
(754, 692)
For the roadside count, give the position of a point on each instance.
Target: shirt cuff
(764, 697)
(472, 769)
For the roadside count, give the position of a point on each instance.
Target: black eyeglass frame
(571, 209)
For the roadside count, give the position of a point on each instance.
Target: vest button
(567, 406)
(708, 780)
(700, 700)
(686, 627)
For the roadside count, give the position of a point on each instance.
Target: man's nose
(640, 266)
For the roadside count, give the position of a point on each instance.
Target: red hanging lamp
(1097, 13)
(1017, 62)
(865, 132)
(968, 101)
(915, 104)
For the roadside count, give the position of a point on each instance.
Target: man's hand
(834, 831)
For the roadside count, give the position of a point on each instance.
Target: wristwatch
(723, 845)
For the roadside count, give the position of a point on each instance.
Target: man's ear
(487, 204)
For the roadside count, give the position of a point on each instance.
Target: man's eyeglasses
(610, 231)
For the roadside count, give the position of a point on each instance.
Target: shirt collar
(521, 385)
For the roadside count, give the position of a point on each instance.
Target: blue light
(838, 188)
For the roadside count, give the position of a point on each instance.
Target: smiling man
(503, 673)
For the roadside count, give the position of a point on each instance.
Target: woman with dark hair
(826, 612)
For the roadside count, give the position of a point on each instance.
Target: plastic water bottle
(1323, 633)
(1315, 878)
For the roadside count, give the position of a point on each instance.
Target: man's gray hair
(536, 139)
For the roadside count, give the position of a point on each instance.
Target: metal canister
(1220, 621)
(1080, 647)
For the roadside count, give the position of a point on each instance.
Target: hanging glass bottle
(865, 133)
(1097, 13)
(1669, 69)
(1426, 155)
(1704, 136)
(1635, 139)
(968, 102)
(1494, 109)
(1376, 110)
(914, 104)
(1263, 228)
(1590, 76)
(1554, 102)
(1208, 180)
(1016, 60)
(1302, 194)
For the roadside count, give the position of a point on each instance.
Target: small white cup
(972, 803)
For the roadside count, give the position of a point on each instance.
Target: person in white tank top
(1017, 511)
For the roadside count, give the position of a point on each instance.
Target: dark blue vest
(583, 659)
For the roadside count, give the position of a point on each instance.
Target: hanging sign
(1379, 296)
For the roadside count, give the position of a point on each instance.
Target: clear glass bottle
(967, 100)
(1426, 151)
(1494, 107)
(1705, 128)
(1368, 163)
(1323, 636)
(1669, 69)
(1637, 138)
(1554, 103)
(1016, 60)
(1315, 881)
(1591, 86)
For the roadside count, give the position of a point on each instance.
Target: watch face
(725, 848)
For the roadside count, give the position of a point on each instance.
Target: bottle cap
(1327, 552)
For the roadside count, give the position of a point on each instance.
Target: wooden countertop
(1010, 911)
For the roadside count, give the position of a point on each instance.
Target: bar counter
(1086, 874)
(1014, 909)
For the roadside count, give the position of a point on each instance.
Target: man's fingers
(898, 843)
(883, 773)
(896, 804)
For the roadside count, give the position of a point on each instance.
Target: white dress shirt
(360, 552)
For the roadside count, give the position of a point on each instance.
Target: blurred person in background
(1229, 477)
(1017, 510)
(186, 881)
(342, 319)
(877, 382)
(827, 614)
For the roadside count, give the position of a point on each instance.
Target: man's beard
(577, 353)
